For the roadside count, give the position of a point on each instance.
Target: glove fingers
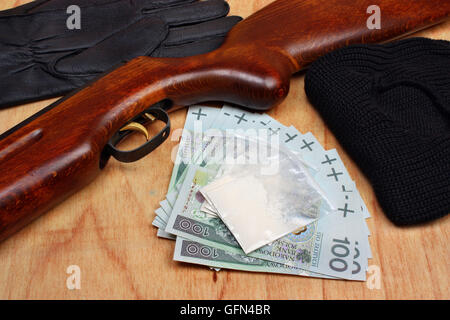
(189, 49)
(147, 5)
(195, 12)
(56, 5)
(52, 5)
(147, 34)
(53, 36)
(201, 31)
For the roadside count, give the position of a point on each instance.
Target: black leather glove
(41, 58)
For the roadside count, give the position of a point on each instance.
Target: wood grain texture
(105, 229)
(251, 69)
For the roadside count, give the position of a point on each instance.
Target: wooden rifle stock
(58, 151)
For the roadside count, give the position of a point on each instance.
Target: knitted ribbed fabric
(389, 106)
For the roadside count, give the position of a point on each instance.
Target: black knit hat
(389, 106)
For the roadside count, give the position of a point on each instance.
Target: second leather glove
(40, 57)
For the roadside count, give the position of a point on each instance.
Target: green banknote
(198, 120)
(193, 252)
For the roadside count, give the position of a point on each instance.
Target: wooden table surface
(106, 230)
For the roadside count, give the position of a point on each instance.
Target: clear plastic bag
(262, 190)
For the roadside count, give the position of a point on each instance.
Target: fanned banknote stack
(334, 245)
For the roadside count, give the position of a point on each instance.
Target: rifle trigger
(137, 124)
(134, 126)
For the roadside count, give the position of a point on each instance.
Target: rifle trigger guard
(153, 113)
